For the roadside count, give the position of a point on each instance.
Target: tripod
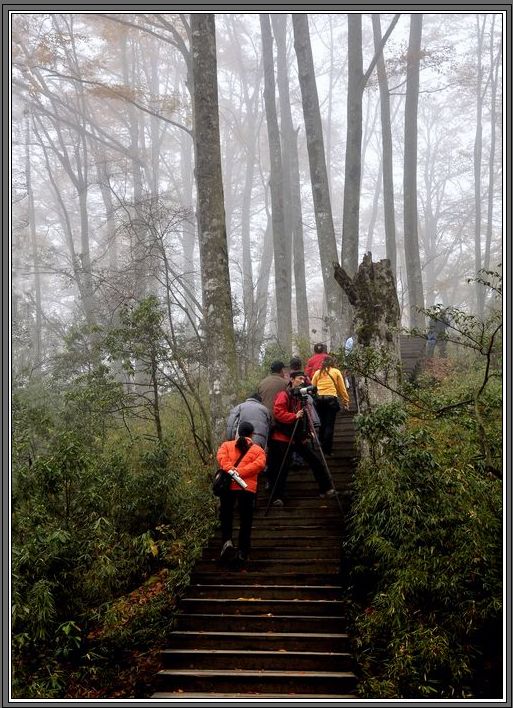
(311, 430)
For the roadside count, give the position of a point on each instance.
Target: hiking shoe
(227, 552)
(278, 502)
(329, 493)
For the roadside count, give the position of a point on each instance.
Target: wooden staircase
(277, 627)
(413, 351)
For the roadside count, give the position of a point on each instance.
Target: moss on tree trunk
(373, 295)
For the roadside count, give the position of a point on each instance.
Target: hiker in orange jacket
(250, 465)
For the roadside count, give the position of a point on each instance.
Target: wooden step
(283, 565)
(305, 478)
(340, 474)
(287, 682)
(253, 577)
(256, 660)
(307, 498)
(279, 517)
(180, 695)
(265, 539)
(270, 641)
(306, 491)
(266, 530)
(257, 606)
(261, 553)
(260, 623)
(266, 592)
(329, 510)
(314, 529)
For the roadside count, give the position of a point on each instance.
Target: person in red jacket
(288, 408)
(315, 361)
(248, 468)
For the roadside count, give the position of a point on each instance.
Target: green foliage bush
(110, 491)
(95, 512)
(425, 540)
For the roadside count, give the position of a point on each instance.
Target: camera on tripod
(304, 391)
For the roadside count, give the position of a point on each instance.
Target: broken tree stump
(373, 295)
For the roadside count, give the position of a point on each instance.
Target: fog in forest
(197, 201)
(104, 195)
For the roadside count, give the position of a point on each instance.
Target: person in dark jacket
(296, 364)
(269, 387)
(249, 467)
(288, 408)
(436, 333)
(253, 411)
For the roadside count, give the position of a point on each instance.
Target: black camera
(304, 391)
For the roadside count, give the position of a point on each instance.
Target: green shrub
(425, 542)
(87, 527)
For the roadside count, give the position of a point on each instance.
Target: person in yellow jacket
(251, 462)
(330, 387)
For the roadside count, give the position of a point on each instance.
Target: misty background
(104, 196)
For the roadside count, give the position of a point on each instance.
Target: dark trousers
(246, 504)
(327, 407)
(276, 454)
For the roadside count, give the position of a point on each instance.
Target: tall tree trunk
(353, 161)
(330, 103)
(231, 157)
(251, 132)
(36, 329)
(318, 175)
(375, 203)
(387, 161)
(248, 294)
(357, 81)
(189, 236)
(139, 246)
(138, 229)
(215, 275)
(188, 232)
(155, 123)
(61, 209)
(155, 396)
(81, 151)
(262, 288)
(494, 71)
(291, 177)
(85, 252)
(478, 153)
(427, 234)
(411, 238)
(430, 254)
(104, 185)
(281, 240)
